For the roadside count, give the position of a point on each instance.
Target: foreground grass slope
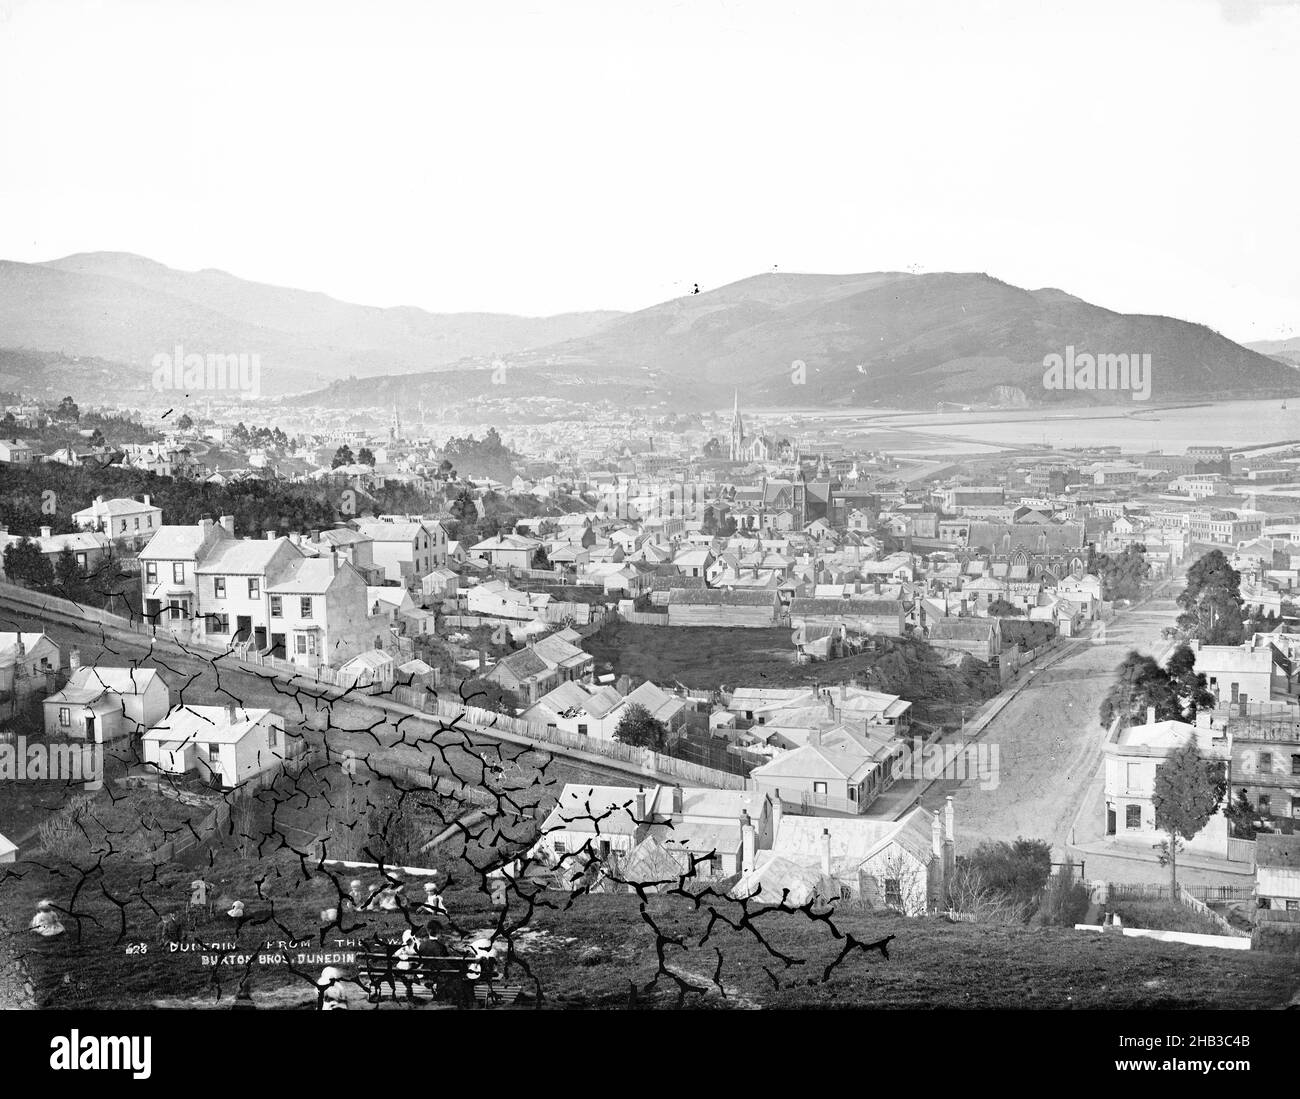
(589, 951)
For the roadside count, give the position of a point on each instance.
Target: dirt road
(1048, 738)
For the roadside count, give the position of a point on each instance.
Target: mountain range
(893, 339)
(126, 308)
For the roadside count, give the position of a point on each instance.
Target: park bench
(467, 982)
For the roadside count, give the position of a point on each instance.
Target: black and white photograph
(781, 506)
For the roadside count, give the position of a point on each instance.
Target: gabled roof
(206, 724)
(175, 543)
(307, 575)
(244, 556)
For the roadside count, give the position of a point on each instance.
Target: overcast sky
(543, 156)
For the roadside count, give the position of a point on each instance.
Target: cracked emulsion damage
(386, 859)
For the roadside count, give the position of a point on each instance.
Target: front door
(90, 726)
(1110, 822)
(243, 627)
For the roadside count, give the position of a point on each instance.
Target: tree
(1210, 571)
(185, 423)
(366, 457)
(1215, 618)
(1140, 683)
(1001, 608)
(1187, 791)
(68, 409)
(1122, 577)
(1211, 601)
(67, 574)
(1241, 816)
(25, 562)
(639, 727)
(342, 457)
(1190, 685)
(1018, 871)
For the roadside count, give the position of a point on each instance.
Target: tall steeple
(737, 429)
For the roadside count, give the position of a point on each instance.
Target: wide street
(1049, 738)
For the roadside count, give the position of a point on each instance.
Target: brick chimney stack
(826, 852)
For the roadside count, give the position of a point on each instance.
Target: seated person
(433, 901)
(431, 944)
(46, 922)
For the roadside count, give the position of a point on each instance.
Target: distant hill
(125, 308)
(909, 340)
(1287, 351)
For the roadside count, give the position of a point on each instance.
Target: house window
(560, 846)
(819, 788)
(81, 562)
(304, 606)
(137, 523)
(149, 523)
(219, 587)
(218, 623)
(1266, 761)
(1295, 807)
(1263, 803)
(270, 736)
(300, 643)
(254, 588)
(582, 730)
(893, 892)
(853, 793)
(1295, 765)
(178, 572)
(65, 716)
(1133, 816)
(275, 606)
(1134, 774)
(151, 572)
(604, 849)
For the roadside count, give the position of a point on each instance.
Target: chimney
(640, 803)
(230, 713)
(677, 799)
(1151, 715)
(826, 852)
(936, 837)
(74, 659)
(146, 500)
(1241, 705)
(844, 693)
(777, 810)
(949, 835)
(228, 522)
(482, 659)
(746, 843)
(877, 587)
(45, 532)
(815, 736)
